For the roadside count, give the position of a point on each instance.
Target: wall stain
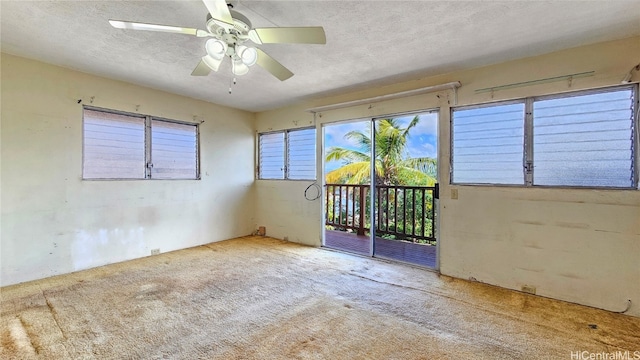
(532, 245)
(608, 231)
(572, 225)
(527, 222)
(571, 276)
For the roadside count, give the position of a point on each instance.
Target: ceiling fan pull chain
(233, 82)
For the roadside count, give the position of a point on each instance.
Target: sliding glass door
(381, 188)
(404, 189)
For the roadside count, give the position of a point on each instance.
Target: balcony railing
(401, 212)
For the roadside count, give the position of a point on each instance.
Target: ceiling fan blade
(288, 35)
(271, 65)
(202, 69)
(219, 10)
(119, 24)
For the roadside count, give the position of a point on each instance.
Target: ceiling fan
(229, 30)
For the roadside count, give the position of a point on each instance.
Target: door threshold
(382, 259)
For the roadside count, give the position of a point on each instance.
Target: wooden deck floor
(424, 255)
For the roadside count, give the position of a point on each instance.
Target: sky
(422, 141)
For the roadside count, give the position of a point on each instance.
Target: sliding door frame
(372, 185)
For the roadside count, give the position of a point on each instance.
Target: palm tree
(392, 165)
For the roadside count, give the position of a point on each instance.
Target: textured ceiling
(368, 42)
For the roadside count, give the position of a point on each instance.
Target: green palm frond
(390, 142)
(412, 124)
(362, 140)
(414, 177)
(381, 172)
(347, 155)
(426, 165)
(354, 173)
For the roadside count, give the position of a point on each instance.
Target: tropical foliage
(403, 213)
(392, 164)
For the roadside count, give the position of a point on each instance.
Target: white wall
(281, 205)
(577, 245)
(53, 222)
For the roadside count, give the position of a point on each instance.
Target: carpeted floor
(260, 298)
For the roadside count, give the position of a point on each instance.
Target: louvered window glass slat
(488, 144)
(302, 154)
(584, 140)
(173, 150)
(271, 158)
(114, 146)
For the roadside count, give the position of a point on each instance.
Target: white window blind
(271, 158)
(302, 154)
(584, 140)
(173, 150)
(488, 144)
(114, 146)
(131, 146)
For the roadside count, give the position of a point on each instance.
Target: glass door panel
(405, 149)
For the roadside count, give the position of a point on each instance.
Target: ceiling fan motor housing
(241, 23)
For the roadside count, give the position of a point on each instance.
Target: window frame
(148, 145)
(480, 106)
(528, 165)
(286, 154)
(284, 159)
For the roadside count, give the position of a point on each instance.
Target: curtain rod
(452, 85)
(569, 77)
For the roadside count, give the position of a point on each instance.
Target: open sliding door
(347, 168)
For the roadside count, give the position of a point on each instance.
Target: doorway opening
(346, 174)
(393, 216)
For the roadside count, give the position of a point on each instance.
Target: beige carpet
(260, 298)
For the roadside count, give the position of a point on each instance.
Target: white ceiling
(369, 43)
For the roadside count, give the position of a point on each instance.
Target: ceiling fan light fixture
(248, 56)
(238, 67)
(216, 48)
(213, 64)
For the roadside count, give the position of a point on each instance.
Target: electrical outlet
(155, 251)
(454, 194)
(529, 289)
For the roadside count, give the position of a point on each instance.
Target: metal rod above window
(425, 90)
